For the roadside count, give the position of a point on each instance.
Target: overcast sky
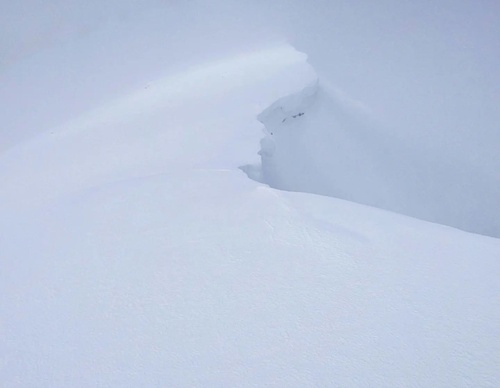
(428, 69)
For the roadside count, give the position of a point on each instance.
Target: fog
(134, 250)
(427, 70)
(410, 119)
(60, 59)
(425, 73)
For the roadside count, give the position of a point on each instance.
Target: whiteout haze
(136, 251)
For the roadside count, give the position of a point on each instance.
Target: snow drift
(134, 251)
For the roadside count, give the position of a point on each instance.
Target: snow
(206, 278)
(136, 251)
(319, 141)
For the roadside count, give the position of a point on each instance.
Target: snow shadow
(317, 141)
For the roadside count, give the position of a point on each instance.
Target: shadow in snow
(318, 142)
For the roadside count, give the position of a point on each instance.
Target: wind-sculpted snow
(135, 253)
(163, 125)
(319, 142)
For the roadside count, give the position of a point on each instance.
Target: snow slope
(207, 279)
(134, 251)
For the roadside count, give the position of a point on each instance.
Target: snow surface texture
(134, 251)
(320, 142)
(148, 259)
